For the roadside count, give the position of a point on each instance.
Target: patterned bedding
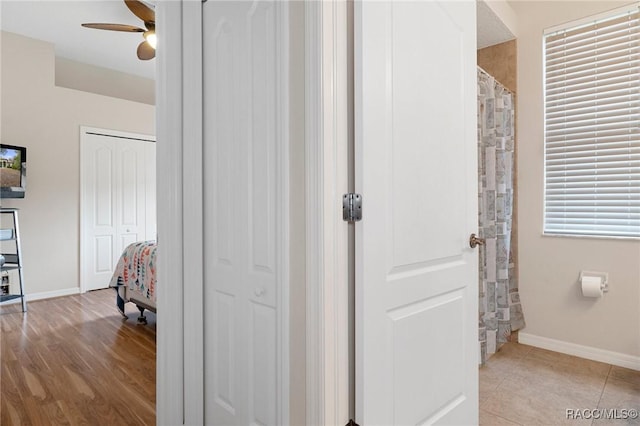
(135, 273)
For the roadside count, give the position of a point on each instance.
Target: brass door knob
(475, 241)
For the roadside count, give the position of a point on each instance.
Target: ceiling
(491, 30)
(58, 22)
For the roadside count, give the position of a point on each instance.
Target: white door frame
(180, 332)
(84, 130)
(326, 145)
(180, 328)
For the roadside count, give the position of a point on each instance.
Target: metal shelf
(7, 297)
(13, 261)
(9, 268)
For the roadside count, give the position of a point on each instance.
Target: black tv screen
(13, 171)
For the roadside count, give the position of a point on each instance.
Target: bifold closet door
(115, 194)
(244, 138)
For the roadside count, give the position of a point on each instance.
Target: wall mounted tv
(13, 171)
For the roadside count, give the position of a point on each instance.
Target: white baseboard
(47, 295)
(588, 352)
(54, 293)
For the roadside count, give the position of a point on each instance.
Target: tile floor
(523, 385)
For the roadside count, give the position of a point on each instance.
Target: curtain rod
(482, 70)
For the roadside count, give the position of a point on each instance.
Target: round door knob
(128, 230)
(475, 241)
(259, 291)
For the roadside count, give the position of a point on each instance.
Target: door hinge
(352, 207)
(352, 423)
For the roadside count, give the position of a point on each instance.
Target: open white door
(416, 276)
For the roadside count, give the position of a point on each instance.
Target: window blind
(592, 127)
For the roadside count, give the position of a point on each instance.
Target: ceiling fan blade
(141, 10)
(115, 27)
(145, 51)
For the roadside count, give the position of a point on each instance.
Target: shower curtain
(500, 308)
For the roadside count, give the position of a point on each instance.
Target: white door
(115, 193)
(416, 276)
(244, 68)
(150, 219)
(130, 192)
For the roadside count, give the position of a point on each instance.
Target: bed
(135, 278)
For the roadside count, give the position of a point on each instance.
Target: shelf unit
(13, 260)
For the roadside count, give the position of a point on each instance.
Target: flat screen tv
(13, 171)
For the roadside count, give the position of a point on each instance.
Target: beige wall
(47, 119)
(103, 81)
(549, 266)
(501, 62)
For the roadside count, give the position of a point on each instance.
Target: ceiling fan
(146, 49)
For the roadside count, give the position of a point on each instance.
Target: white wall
(47, 119)
(549, 266)
(505, 13)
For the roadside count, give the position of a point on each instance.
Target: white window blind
(592, 127)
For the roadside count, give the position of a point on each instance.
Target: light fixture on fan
(146, 49)
(151, 38)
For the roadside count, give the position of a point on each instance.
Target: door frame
(84, 131)
(327, 132)
(180, 327)
(180, 364)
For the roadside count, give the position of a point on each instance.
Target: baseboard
(47, 295)
(588, 352)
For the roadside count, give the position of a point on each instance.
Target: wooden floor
(523, 385)
(75, 360)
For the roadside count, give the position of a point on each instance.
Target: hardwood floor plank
(75, 361)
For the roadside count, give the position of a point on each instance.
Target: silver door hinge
(352, 207)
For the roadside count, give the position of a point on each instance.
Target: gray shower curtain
(500, 308)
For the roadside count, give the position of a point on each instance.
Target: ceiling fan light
(151, 38)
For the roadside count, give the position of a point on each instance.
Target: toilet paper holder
(604, 278)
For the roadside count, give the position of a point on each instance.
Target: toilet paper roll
(591, 286)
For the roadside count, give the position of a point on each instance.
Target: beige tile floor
(523, 385)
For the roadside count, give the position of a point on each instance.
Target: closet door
(150, 220)
(244, 209)
(130, 193)
(114, 199)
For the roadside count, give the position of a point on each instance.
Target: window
(592, 127)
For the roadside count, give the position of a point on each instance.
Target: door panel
(104, 254)
(263, 365)
(101, 182)
(416, 277)
(150, 219)
(262, 45)
(224, 356)
(99, 211)
(242, 136)
(131, 187)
